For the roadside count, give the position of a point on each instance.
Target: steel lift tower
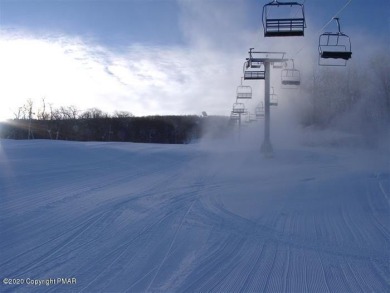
(258, 67)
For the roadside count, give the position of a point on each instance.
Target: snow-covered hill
(123, 217)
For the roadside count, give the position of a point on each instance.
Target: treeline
(94, 126)
(351, 98)
(44, 121)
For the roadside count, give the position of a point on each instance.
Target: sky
(157, 57)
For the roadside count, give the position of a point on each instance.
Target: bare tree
(122, 114)
(93, 113)
(42, 114)
(18, 113)
(65, 113)
(29, 109)
(331, 93)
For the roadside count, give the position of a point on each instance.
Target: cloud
(143, 79)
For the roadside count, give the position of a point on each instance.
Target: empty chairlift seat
(234, 116)
(290, 77)
(238, 108)
(336, 46)
(254, 70)
(244, 91)
(273, 98)
(259, 111)
(278, 22)
(251, 118)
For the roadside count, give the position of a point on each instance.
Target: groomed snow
(124, 217)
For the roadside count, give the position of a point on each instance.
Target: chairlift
(249, 118)
(234, 116)
(244, 91)
(253, 68)
(259, 111)
(335, 46)
(245, 115)
(273, 98)
(277, 20)
(252, 117)
(290, 76)
(238, 108)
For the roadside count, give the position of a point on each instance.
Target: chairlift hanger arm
(338, 23)
(292, 60)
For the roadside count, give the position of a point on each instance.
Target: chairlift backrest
(277, 21)
(254, 74)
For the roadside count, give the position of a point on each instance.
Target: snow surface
(124, 217)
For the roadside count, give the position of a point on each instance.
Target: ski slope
(124, 217)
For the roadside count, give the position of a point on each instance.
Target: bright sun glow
(144, 80)
(36, 69)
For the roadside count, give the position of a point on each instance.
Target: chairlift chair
(273, 98)
(259, 111)
(336, 46)
(290, 76)
(245, 116)
(273, 102)
(238, 108)
(244, 91)
(251, 118)
(277, 21)
(234, 116)
(254, 70)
